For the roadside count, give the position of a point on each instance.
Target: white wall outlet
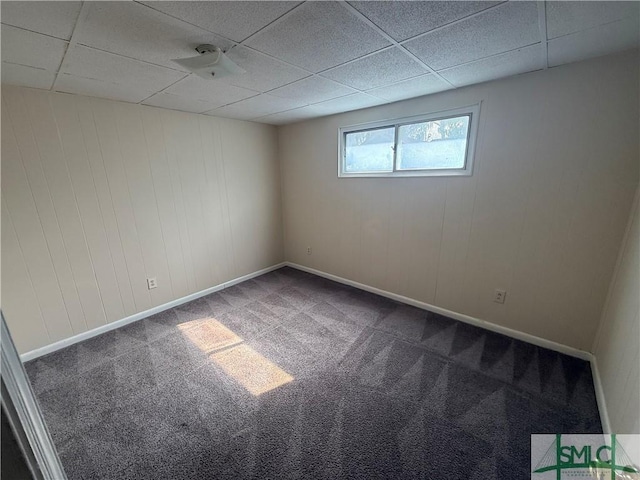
(309, 251)
(499, 295)
(152, 283)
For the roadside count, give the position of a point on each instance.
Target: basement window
(437, 144)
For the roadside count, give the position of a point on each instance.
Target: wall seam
(95, 189)
(115, 215)
(155, 198)
(38, 213)
(76, 203)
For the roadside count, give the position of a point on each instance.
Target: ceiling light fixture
(211, 63)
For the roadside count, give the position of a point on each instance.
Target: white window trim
(472, 110)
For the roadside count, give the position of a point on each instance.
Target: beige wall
(618, 342)
(99, 195)
(542, 216)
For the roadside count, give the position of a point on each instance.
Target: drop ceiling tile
(137, 31)
(345, 104)
(213, 91)
(98, 88)
(89, 63)
(174, 102)
(523, 60)
(597, 41)
(234, 20)
(290, 116)
(403, 20)
(221, 112)
(414, 87)
(31, 49)
(254, 107)
(507, 27)
(383, 68)
(50, 18)
(263, 72)
(564, 18)
(312, 90)
(317, 36)
(27, 76)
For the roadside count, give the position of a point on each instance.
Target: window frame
(472, 111)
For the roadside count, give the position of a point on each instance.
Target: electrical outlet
(309, 251)
(152, 283)
(499, 295)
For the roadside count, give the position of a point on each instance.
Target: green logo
(599, 459)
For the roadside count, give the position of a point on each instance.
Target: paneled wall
(542, 216)
(618, 344)
(97, 196)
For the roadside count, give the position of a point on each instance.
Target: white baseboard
(600, 398)
(526, 337)
(38, 352)
(541, 342)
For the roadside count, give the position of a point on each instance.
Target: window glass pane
(433, 145)
(369, 151)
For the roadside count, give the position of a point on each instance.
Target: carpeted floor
(292, 376)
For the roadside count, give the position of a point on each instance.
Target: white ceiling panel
(97, 88)
(317, 36)
(414, 87)
(507, 27)
(256, 107)
(518, 61)
(302, 60)
(609, 38)
(51, 18)
(137, 31)
(263, 72)
(403, 20)
(564, 18)
(312, 90)
(89, 63)
(337, 105)
(13, 74)
(289, 116)
(383, 68)
(209, 90)
(31, 49)
(345, 104)
(234, 20)
(174, 102)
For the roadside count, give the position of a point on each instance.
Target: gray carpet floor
(292, 376)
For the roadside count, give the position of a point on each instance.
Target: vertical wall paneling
(192, 176)
(65, 204)
(212, 199)
(172, 134)
(108, 216)
(100, 195)
(75, 152)
(106, 125)
(164, 197)
(143, 201)
(19, 298)
(253, 194)
(224, 196)
(211, 206)
(37, 231)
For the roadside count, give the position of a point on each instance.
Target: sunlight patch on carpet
(210, 335)
(253, 371)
